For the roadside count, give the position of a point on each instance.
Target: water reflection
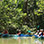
(37, 42)
(4, 41)
(22, 40)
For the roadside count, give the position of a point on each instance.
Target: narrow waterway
(22, 40)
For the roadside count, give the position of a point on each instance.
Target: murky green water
(20, 41)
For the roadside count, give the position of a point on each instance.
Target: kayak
(28, 35)
(21, 35)
(5, 35)
(15, 36)
(36, 36)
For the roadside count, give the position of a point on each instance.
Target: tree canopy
(21, 14)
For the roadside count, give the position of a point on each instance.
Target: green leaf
(15, 1)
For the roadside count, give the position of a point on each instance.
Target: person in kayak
(16, 36)
(28, 34)
(21, 34)
(40, 33)
(36, 34)
(5, 33)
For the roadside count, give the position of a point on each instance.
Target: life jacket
(5, 32)
(43, 34)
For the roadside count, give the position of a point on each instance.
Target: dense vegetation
(21, 14)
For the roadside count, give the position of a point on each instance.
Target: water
(21, 41)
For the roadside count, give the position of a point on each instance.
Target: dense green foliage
(21, 14)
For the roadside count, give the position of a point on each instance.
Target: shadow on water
(21, 40)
